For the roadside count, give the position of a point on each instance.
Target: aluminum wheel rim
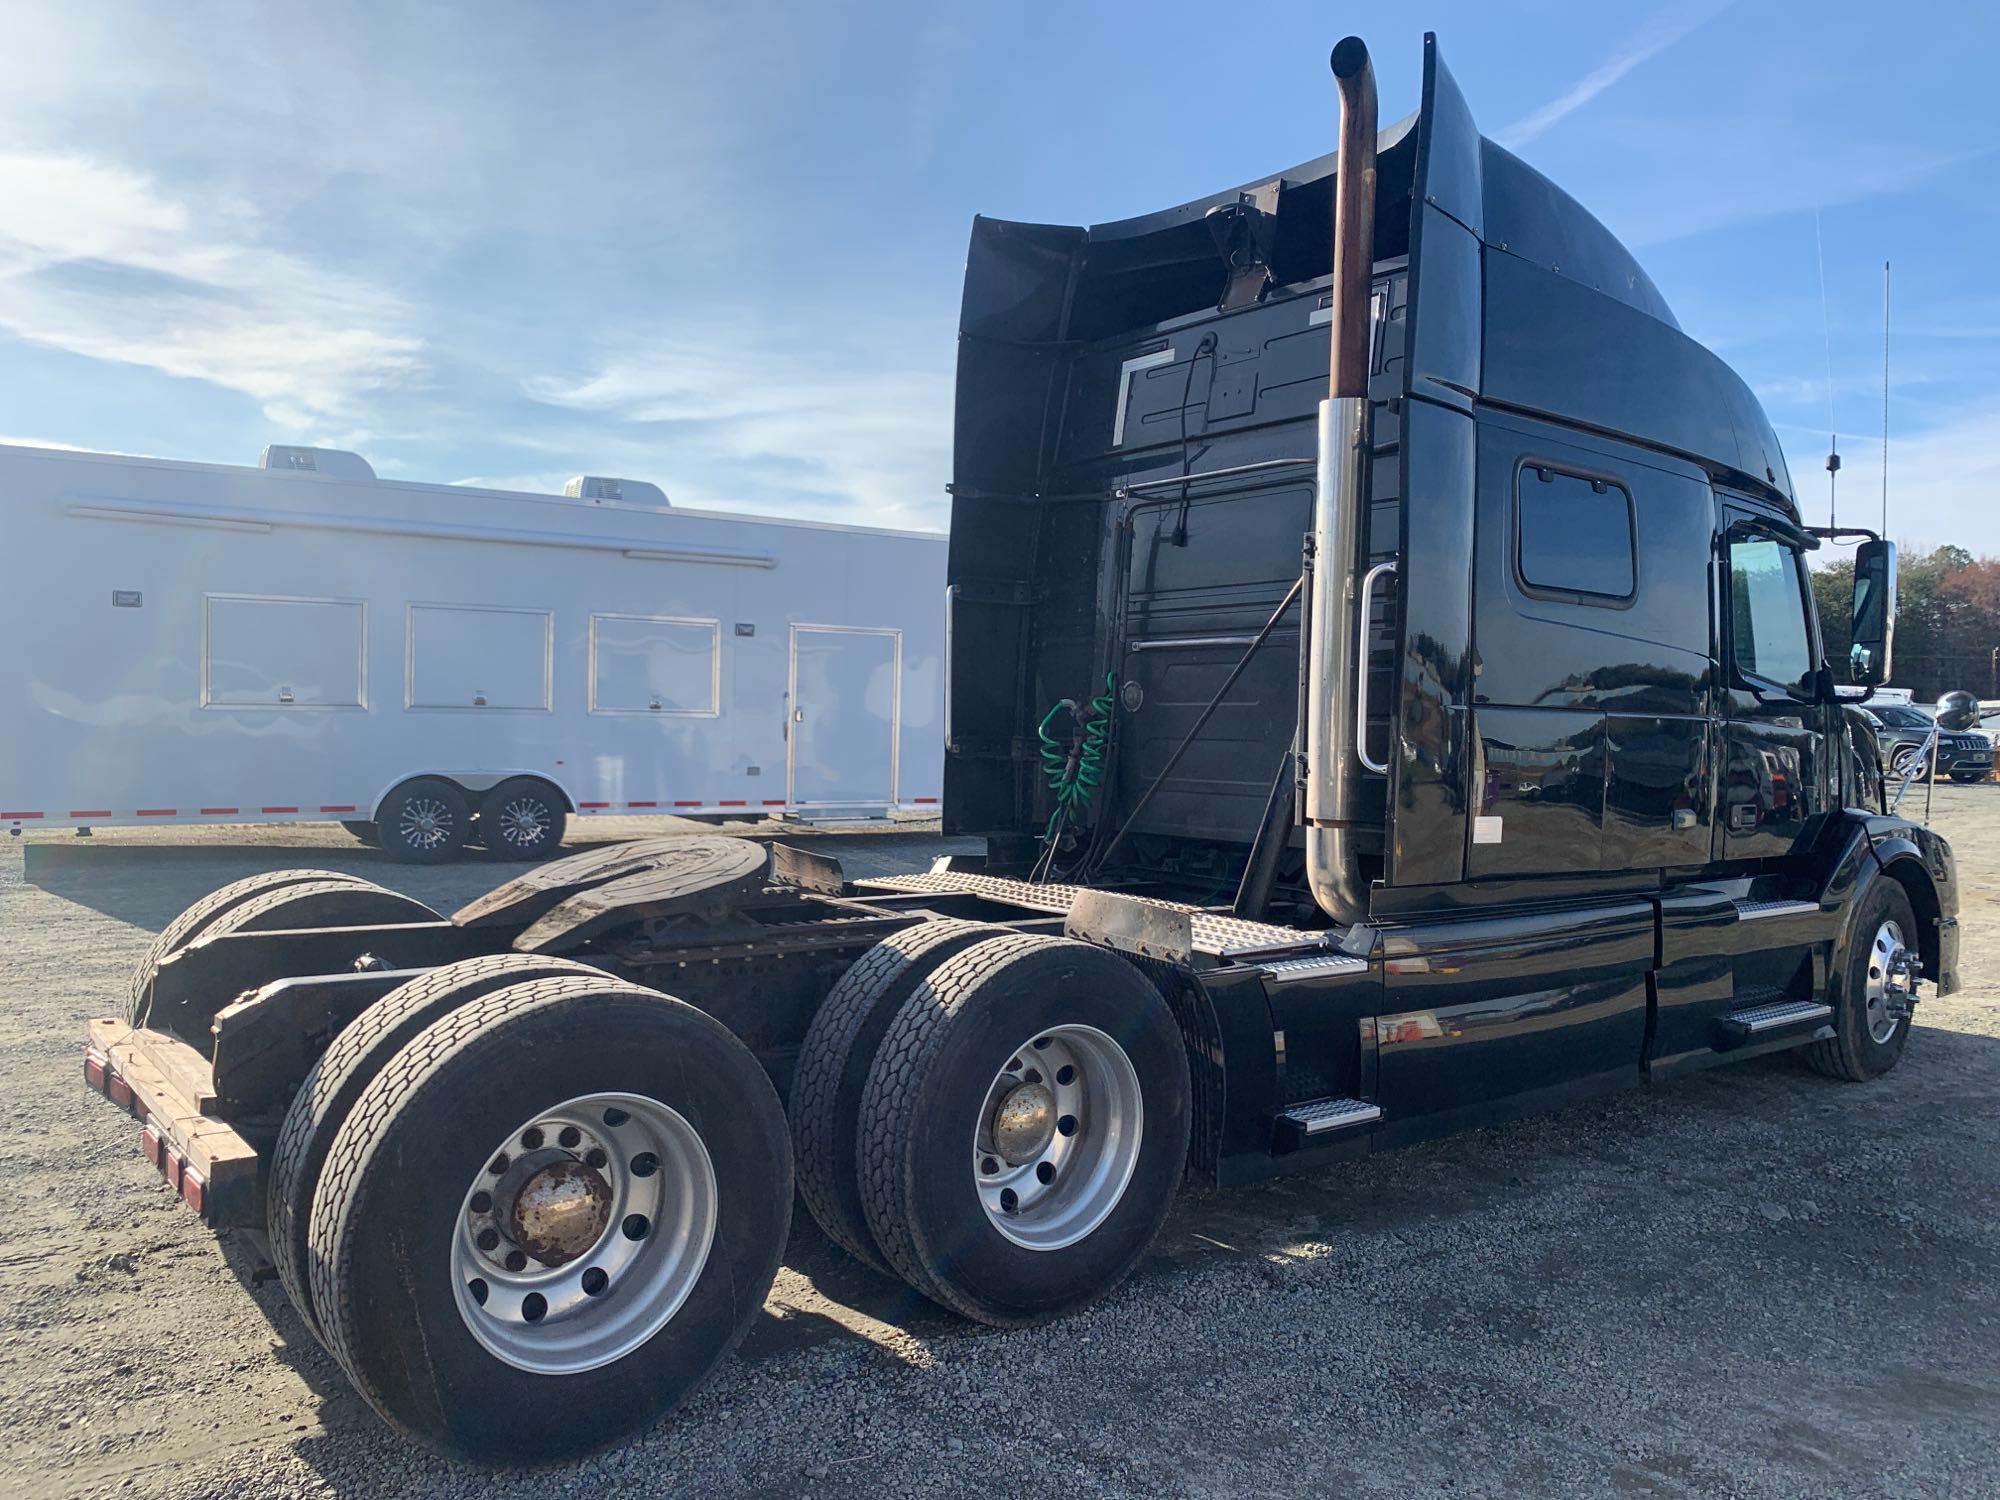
(426, 822)
(1890, 982)
(1907, 763)
(581, 1305)
(1046, 1194)
(524, 822)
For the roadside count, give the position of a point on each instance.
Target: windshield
(1898, 716)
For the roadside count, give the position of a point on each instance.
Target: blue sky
(719, 246)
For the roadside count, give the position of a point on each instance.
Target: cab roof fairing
(1043, 287)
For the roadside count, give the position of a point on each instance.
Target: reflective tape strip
(19, 815)
(218, 812)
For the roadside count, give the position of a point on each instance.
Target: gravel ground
(1755, 1282)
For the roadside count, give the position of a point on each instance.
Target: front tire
(423, 1174)
(1872, 1017)
(1024, 1129)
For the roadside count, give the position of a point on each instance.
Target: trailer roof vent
(336, 463)
(600, 490)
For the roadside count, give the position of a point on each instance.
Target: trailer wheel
(425, 821)
(1024, 1129)
(363, 832)
(522, 819)
(360, 1051)
(834, 1060)
(198, 918)
(1872, 1023)
(549, 1217)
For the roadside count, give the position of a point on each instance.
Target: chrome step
(1750, 911)
(1318, 1116)
(1311, 966)
(1778, 1015)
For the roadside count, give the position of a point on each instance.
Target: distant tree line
(1947, 620)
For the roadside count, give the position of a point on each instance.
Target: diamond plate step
(1318, 1116)
(1750, 911)
(1778, 1015)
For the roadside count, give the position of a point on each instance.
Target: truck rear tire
(522, 819)
(340, 901)
(635, 1155)
(834, 1060)
(1869, 1036)
(360, 1051)
(1024, 1129)
(424, 822)
(198, 918)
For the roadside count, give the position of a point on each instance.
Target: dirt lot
(1756, 1282)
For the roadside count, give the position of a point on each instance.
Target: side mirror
(1957, 712)
(1874, 617)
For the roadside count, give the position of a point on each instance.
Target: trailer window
(479, 657)
(1575, 536)
(1767, 612)
(654, 664)
(268, 652)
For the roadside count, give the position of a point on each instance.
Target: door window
(1767, 612)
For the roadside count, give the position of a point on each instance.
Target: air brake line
(1074, 771)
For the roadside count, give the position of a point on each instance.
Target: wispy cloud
(864, 434)
(1665, 28)
(98, 260)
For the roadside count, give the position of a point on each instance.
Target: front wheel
(548, 1218)
(1909, 763)
(1024, 1128)
(1880, 971)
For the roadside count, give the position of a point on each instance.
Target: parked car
(1900, 732)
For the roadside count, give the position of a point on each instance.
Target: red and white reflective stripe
(350, 809)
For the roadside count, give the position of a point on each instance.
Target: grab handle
(1379, 767)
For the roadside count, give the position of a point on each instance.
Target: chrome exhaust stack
(1336, 649)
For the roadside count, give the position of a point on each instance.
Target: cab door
(1773, 783)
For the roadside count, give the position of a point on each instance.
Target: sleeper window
(1575, 535)
(1767, 612)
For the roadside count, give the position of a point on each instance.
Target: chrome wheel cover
(1057, 1137)
(1891, 988)
(583, 1233)
(426, 823)
(525, 822)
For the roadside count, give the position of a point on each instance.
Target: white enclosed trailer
(202, 643)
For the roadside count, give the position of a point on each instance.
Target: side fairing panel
(1434, 580)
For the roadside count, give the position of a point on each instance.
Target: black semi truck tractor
(1383, 671)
